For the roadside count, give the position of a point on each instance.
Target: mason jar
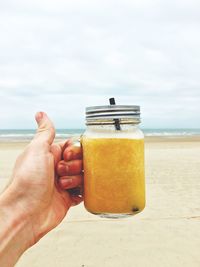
(113, 160)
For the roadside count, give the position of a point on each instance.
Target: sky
(60, 56)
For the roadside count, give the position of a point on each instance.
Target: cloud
(58, 55)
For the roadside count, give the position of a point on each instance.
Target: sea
(14, 135)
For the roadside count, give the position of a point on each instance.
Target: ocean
(25, 134)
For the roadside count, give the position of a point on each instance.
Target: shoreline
(148, 139)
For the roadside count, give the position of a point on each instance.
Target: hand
(37, 188)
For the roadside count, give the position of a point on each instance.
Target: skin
(38, 196)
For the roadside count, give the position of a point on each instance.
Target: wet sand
(166, 233)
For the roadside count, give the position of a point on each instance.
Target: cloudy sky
(60, 56)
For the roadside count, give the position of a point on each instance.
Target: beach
(165, 234)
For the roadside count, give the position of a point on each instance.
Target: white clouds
(55, 52)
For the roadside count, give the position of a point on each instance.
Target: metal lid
(111, 112)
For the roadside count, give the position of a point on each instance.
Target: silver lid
(107, 114)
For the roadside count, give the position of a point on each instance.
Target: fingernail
(64, 169)
(67, 182)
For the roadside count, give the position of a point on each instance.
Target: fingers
(72, 153)
(46, 130)
(73, 167)
(64, 145)
(68, 182)
(69, 170)
(67, 150)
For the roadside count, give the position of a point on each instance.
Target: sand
(165, 234)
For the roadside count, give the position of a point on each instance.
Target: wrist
(15, 229)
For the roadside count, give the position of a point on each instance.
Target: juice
(113, 175)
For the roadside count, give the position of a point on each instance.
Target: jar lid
(112, 112)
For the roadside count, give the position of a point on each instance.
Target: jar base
(114, 215)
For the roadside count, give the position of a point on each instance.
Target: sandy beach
(165, 234)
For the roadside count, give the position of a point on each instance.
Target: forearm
(14, 230)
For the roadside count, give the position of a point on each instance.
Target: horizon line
(74, 128)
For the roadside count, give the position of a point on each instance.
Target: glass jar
(113, 159)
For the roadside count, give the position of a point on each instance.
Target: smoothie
(113, 175)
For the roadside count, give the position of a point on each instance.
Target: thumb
(46, 130)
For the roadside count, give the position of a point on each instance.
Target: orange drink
(114, 176)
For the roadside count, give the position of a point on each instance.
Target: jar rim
(112, 108)
(108, 114)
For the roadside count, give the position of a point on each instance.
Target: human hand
(37, 188)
